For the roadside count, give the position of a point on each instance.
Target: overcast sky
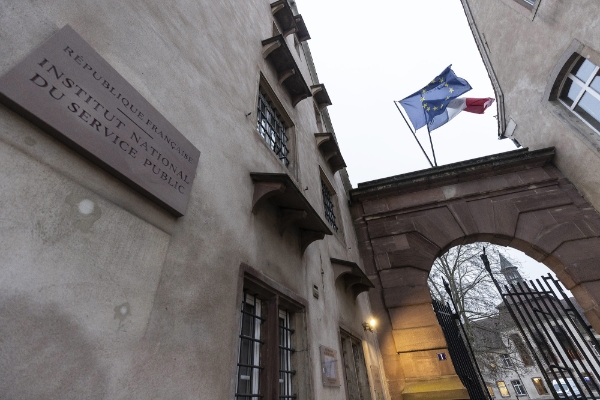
(369, 54)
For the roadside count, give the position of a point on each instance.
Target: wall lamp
(370, 325)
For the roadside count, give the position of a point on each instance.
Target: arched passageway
(517, 199)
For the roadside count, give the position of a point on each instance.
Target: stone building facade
(106, 292)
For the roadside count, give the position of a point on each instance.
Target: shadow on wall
(45, 355)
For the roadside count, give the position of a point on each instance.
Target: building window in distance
(503, 389)
(490, 390)
(329, 206)
(506, 361)
(522, 350)
(580, 92)
(519, 388)
(539, 385)
(272, 127)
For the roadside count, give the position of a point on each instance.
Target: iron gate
(462, 358)
(560, 340)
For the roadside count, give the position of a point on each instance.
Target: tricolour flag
(426, 104)
(454, 107)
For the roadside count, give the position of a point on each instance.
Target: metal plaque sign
(329, 366)
(69, 90)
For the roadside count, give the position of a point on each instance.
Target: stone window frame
(490, 390)
(275, 298)
(524, 7)
(290, 129)
(557, 77)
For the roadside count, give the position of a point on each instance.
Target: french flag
(455, 106)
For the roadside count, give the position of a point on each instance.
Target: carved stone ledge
(288, 22)
(353, 278)
(301, 30)
(307, 237)
(277, 52)
(288, 217)
(294, 207)
(330, 150)
(321, 96)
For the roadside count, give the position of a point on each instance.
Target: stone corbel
(263, 191)
(289, 217)
(283, 75)
(298, 99)
(269, 48)
(307, 237)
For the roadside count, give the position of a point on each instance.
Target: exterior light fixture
(370, 325)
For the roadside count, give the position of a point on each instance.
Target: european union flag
(425, 105)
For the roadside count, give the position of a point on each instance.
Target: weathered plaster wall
(524, 49)
(104, 294)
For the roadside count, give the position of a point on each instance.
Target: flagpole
(411, 131)
(431, 142)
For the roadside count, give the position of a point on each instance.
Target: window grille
(519, 388)
(285, 356)
(271, 127)
(328, 204)
(249, 368)
(581, 92)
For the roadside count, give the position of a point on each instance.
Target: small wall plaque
(66, 88)
(329, 367)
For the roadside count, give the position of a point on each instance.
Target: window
(285, 356)
(580, 92)
(490, 390)
(519, 388)
(328, 205)
(267, 360)
(539, 386)
(522, 350)
(249, 349)
(357, 381)
(566, 343)
(544, 348)
(272, 127)
(506, 361)
(503, 389)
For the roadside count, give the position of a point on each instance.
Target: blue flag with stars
(424, 106)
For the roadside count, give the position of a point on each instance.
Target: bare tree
(486, 322)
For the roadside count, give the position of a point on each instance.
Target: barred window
(249, 350)
(519, 388)
(285, 356)
(328, 205)
(272, 127)
(266, 360)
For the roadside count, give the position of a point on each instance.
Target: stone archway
(517, 199)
